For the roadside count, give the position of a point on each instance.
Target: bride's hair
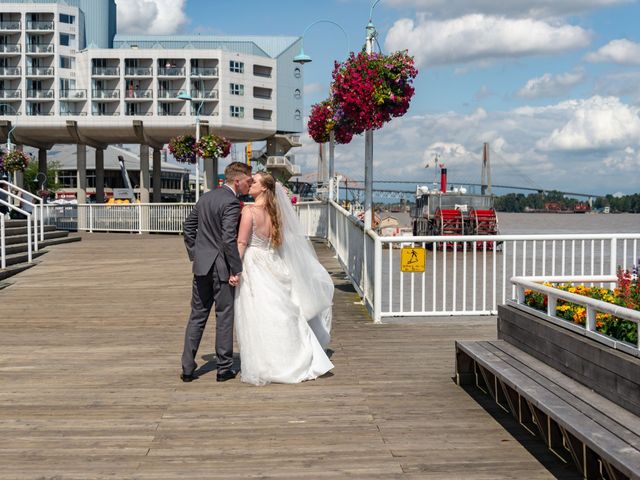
(270, 203)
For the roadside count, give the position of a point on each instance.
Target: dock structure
(90, 344)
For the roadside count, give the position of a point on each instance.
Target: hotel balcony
(9, 49)
(40, 26)
(165, 110)
(205, 95)
(138, 94)
(105, 71)
(73, 94)
(72, 113)
(105, 113)
(10, 94)
(40, 94)
(138, 72)
(40, 49)
(171, 72)
(170, 94)
(10, 71)
(14, 25)
(5, 109)
(105, 94)
(40, 71)
(204, 72)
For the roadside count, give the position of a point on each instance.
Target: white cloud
(402, 148)
(158, 17)
(596, 123)
(521, 8)
(621, 51)
(626, 161)
(478, 37)
(549, 85)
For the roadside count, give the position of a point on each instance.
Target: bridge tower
(485, 188)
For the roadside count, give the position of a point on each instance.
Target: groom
(210, 235)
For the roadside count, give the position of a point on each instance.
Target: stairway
(16, 246)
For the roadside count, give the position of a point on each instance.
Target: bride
(283, 302)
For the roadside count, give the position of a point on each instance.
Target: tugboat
(439, 212)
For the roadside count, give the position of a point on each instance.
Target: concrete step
(16, 258)
(12, 231)
(15, 223)
(15, 239)
(22, 247)
(12, 270)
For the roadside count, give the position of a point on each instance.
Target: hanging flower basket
(2, 154)
(367, 91)
(183, 148)
(16, 161)
(324, 118)
(213, 146)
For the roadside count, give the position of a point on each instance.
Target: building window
(70, 19)
(66, 62)
(297, 115)
(65, 39)
(236, 112)
(236, 89)
(297, 93)
(236, 67)
(296, 72)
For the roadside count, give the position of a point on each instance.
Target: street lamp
(303, 58)
(186, 96)
(368, 135)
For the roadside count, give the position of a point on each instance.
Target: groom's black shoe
(188, 378)
(224, 376)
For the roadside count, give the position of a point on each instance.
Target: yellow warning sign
(413, 259)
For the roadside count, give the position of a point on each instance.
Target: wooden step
(12, 270)
(15, 239)
(22, 257)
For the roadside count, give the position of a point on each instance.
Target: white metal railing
(591, 305)
(468, 275)
(34, 200)
(464, 275)
(155, 217)
(3, 251)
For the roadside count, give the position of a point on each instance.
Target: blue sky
(552, 85)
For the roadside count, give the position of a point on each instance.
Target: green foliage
(31, 173)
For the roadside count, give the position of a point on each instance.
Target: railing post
(90, 217)
(3, 250)
(30, 247)
(377, 281)
(552, 303)
(520, 294)
(590, 323)
(614, 260)
(140, 225)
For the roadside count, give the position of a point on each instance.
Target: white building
(65, 77)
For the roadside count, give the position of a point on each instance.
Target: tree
(32, 182)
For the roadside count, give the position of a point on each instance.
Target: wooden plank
(90, 344)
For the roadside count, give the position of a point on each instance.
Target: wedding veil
(312, 286)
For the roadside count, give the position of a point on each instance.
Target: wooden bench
(577, 424)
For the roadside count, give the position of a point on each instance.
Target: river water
(545, 223)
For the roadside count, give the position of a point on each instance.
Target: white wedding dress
(277, 343)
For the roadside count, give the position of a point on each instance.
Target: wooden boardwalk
(90, 344)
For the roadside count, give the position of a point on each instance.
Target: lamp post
(368, 135)
(303, 58)
(189, 98)
(13, 127)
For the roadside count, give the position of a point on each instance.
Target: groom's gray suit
(210, 235)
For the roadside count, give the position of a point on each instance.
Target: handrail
(591, 305)
(3, 260)
(35, 217)
(34, 197)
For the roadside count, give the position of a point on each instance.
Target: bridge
(357, 186)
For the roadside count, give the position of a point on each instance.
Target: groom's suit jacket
(211, 233)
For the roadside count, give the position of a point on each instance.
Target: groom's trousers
(207, 291)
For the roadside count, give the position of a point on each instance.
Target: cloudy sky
(552, 85)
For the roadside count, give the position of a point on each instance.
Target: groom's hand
(234, 280)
